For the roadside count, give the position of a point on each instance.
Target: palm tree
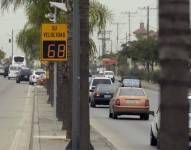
(174, 54)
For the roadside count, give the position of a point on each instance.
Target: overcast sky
(11, 20)
(16, 21)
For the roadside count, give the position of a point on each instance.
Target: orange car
(129, 101)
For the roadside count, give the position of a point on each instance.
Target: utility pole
(129, 13)
(55, 71)
(104, 36)
(117, 39)
(148, 8)
(12, 43)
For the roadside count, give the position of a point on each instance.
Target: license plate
(132, 101)
(26, 77)
(107, 96)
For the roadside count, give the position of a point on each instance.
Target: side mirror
(152, 113)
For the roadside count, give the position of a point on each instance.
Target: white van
(13, 71)
(109, 74)
(19, 61)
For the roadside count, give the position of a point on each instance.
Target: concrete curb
(98, 135)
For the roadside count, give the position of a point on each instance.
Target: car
(155, 126)
(97, 80)
(109, 74)
(23, 75)
(6, 70)
(1, 70)
(35, 76)
(131, 83)
(129, 101)
(13, 71)
(102, 95)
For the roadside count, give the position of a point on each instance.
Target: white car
(98, 80)
(155, 127)
(1, 70)
(13, 71)
(109, 74)
(36, 74)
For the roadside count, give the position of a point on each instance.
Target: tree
(2, 54)
(174, 39)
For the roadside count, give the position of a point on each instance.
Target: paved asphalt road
(15, 114)
(128, 132)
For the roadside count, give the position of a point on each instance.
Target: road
(128, 132)
(16, 107)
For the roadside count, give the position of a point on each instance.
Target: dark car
(6, 71)
(131, 83)
(102, 95)
(23, 75)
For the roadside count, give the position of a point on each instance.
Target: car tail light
(117, 102)
(147, 102)
(97, 94)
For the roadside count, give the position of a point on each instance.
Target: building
(142, 32)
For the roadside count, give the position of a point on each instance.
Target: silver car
(155, 127)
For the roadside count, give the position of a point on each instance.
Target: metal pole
(55, 70)
(12, 43)
(76, 77)
(148, 9)
(129, 26)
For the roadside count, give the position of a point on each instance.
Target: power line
(148, 8)
(104, 36)
(118, 24)
(130, 14)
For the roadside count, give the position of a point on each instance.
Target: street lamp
(11, 41)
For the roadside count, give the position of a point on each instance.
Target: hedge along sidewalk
(47, 133)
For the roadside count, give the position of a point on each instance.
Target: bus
(19, 61)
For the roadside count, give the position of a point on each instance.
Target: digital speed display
(54, 42)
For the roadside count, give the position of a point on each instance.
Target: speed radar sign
(54, 42)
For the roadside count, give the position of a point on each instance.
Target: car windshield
(108, 73)
(131, 92)
(26, 71)
(18, 59)
(105, 88)
(131, 82)
(101, 81)
(39, 73)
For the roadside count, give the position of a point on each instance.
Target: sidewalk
(47, 134)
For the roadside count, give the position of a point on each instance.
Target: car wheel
(114, 115)
(146, 116)
(8, 78)
(110, 114)
(153, 140)
(92, 104)
(141, 116)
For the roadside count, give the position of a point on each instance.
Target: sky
(11, 20)
(16, 21)
(118, 7)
